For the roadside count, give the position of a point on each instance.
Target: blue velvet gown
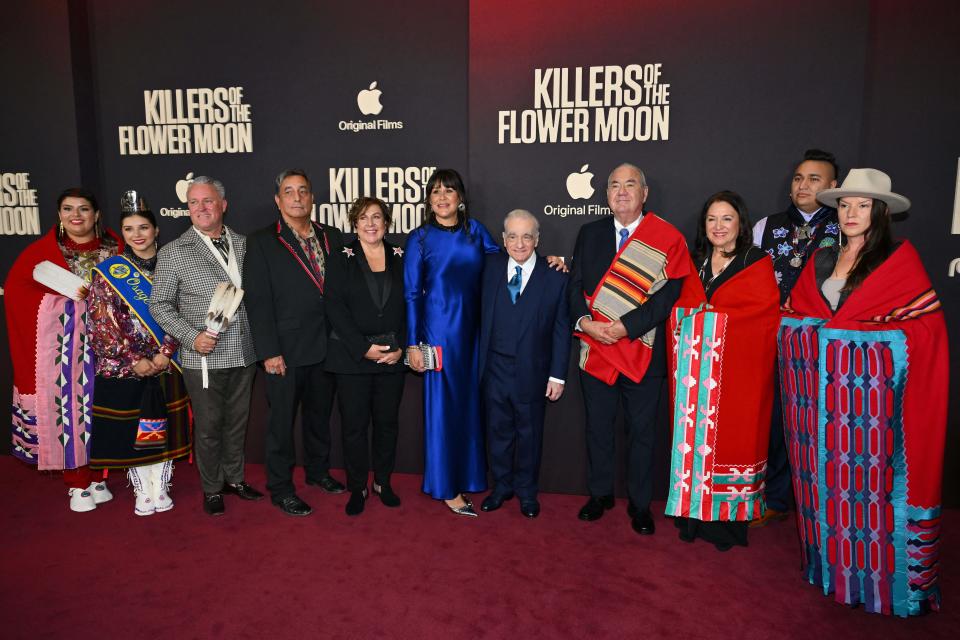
(442, 287)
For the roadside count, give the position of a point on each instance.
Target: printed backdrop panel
(39, 154)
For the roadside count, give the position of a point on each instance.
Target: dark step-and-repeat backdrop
(534, 102)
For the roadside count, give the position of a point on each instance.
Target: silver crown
(133, 202)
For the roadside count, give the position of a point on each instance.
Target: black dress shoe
(355, 503)
(642, 523)
(293, 506)
(530, 508)
(495, 500)
(387, 496)
(213, 504)
(242, 490)
(328, 484)
(595, 507)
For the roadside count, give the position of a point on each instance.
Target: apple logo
(578, 184)
(183, 186)
(368, 100)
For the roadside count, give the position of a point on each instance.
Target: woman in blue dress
(442, 266)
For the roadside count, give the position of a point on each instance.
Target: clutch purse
(432, 357)
(389, 339)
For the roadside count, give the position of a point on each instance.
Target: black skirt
(119, 438)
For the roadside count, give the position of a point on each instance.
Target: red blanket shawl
(722, 363)
(865, 401)
(655, 253)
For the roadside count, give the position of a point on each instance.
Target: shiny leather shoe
(595, 507)
(465, 510)
(213, 504)
(355, 503)
(642, 523)
(328, 484)
(530, 508)
(495, 500)
(387, 496)
(467, 499)
(242, 490)
(293, 506)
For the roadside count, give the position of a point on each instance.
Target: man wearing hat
(791, 237)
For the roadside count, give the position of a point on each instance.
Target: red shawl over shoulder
(865, 412)
(723, 362)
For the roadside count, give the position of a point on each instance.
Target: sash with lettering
(655, 253)
(134, 288)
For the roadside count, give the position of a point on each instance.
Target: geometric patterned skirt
(861, 540)
(119, 439)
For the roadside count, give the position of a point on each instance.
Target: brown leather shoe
(770, 515)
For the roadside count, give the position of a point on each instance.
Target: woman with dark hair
(53, 368)
(367, 314)
(442, 268)
(723, 361)
(864, 368)
(140, 405)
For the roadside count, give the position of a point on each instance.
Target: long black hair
(876, 246)
(744, 235)
(451, 179)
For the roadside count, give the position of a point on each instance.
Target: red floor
(413, 572)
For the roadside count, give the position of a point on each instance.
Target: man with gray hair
(524, 353)
(286, 273)
(627, 273)
(188, 271)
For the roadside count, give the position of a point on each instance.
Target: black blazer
(285, 305)
(592, 256)
(544, 346)
(355, 310)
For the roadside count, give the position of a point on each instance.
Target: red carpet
(413, 572)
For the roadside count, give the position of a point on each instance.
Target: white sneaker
(100, 492)
(81, 500)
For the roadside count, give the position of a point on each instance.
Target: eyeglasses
(513, 237)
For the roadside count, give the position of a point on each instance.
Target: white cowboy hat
(866, 183)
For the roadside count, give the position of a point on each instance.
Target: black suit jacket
(544, 345)
(285, 305)
(592, 256)
(355, 309)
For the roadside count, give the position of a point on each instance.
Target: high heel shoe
(465, 510)
(467, 499)
(387, 496)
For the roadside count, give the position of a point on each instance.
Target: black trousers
(778, 487)
(601, 402)
(220, 415)
(313, 388)
(363, 398)
(514, 430)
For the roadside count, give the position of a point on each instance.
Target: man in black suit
(284, 280)
(524, 351)
(626, 276)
